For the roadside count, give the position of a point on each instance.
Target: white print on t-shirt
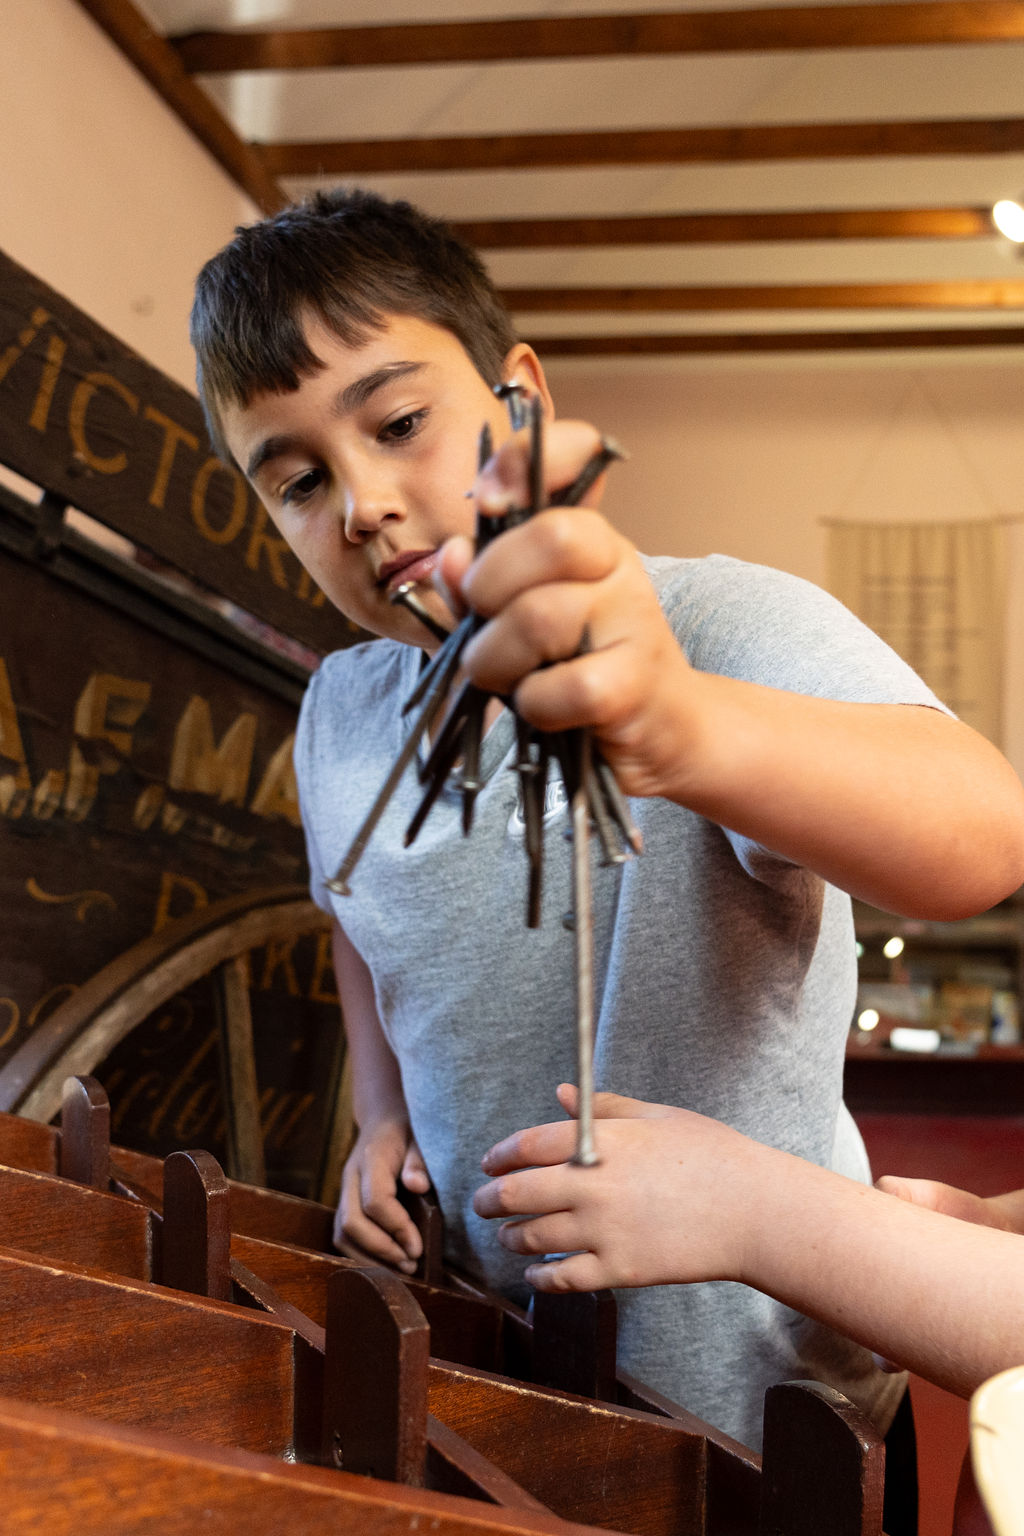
(555, 801)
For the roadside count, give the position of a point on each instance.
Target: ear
(523, 366)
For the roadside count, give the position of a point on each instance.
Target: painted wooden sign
(145, 770)
(89, 420)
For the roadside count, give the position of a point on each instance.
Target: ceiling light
(892, 947)
(1008, 217)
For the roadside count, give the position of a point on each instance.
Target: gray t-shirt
(725, 981)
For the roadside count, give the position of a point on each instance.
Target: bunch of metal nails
(593, 795)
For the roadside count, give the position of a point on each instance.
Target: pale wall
(748, 460)
(109, 199)
(104, 194)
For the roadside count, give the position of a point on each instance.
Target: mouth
(411, 565)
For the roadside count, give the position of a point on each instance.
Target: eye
(403, 427)
(299, 491)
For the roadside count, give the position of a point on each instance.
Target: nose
(371, 498)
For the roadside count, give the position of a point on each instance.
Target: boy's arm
(370, 1216)
(678, 1197)
(899, 805)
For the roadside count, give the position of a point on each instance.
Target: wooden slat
(66, 1223)
(702, 298)
(155, 59)
(133, 1353)
(648, 146)
(70, 1475)
(729, 228)
(765, 29)
(719, 343)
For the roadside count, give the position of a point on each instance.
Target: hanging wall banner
(936, 592)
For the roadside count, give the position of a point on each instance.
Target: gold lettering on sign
(46, 797)
(323, 971)
(177, 1083)
(197, 763)
(278, 794)
(236, 522)
(279, 958)
(170, 885)
(147, 806)
(259, 540)
(83, 900)
(84, 392)
(107, 710)
(25, 339)
(55, 350)
(13, 1020)
(15, 788)
(173, 435)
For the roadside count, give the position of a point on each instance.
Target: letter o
(236, 522)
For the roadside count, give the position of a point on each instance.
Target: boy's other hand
(370, 1218)
(576, 634)
(656, 1210)
(1005, 1212)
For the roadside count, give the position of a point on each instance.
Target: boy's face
(365, 467)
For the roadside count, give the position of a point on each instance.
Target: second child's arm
(899, 805)
(370, 1217)
(678, 1198)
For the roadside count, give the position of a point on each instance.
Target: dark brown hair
(351, 259)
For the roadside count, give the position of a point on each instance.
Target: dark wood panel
(651, 146)
(140, 780)
(778, 341)
(700, 298)
(548, 37)
(730, 228)
(89, 420)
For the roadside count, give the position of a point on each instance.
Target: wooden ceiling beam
(157, 61)
(548, 37)
(651, 146)
(777, 341)
(728, 228)
(703, 298)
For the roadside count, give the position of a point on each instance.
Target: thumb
(612, 1106)
(414, 1173)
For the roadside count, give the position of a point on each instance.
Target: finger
(557, 1233)
(535, 1190)
(540, 1145)
(578, 1272)
(379, 1206)
(414, 1173)
(354, 1231)
(556, 545)
(503, 482)
(537, 628)
(455, 558)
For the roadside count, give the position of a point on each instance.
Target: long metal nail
(406, 596)
(583, 913)
(429, 713)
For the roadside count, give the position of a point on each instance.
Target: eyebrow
(351, 398)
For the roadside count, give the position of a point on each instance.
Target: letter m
(198, 763)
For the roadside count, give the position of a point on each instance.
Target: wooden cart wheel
(83, 1031)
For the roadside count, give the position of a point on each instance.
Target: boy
(781, 756)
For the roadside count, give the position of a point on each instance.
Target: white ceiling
(976, 81)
